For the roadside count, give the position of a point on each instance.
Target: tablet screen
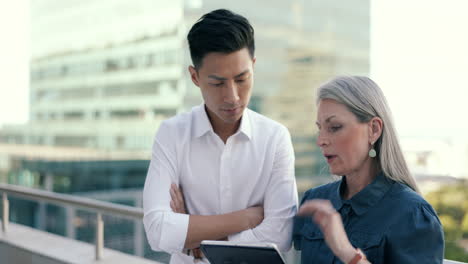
(241, 254)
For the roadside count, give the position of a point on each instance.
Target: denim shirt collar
(366, 198)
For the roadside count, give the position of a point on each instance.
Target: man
(235, 167)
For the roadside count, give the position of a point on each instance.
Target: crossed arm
(202, 226)
(214, 227)
(166, 227)
(171, 231)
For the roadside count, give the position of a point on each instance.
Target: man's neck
(224, 133)
(222, 129)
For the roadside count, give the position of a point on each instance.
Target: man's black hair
(220, 31)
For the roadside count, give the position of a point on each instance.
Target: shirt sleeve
(298, 225)
(419, 238)
(280, 203)
(165, 230)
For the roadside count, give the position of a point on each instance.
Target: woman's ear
(375, 129)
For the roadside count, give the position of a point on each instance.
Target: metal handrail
(67, 199)
(99, 207)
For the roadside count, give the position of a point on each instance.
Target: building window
(140, 61)
(158, 59)
(159, 112)
(124, 114)
(146, 88)
(111, 65)
(80, 141)
(73, 115)
(169, 57)
(143, 88)
(64, 70)
(114, 90)
(120, 141)
(149, 60)
(77, 93)
(130, 63)
(304, 60)
(173, 86)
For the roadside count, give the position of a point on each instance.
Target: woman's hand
(331, 225)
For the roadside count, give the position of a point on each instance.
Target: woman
(374, 213)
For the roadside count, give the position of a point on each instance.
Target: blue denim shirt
(387, 220)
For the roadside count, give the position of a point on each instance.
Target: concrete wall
(25, 245)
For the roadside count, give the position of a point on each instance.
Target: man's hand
(250, 217)
(177, 202)
(254, 216)
(197, 253)
(178, 206)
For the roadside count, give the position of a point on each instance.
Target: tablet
(228, 252)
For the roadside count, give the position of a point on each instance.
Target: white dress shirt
(254, 167)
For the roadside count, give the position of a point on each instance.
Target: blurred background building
(104, 74)
(299, 45)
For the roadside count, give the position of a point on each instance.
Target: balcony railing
(99, 207)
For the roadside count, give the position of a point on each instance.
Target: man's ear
(253, 61)
(194, 75)
(375, 129)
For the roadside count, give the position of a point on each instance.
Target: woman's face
(344, 141)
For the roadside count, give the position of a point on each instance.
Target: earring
(372, 152)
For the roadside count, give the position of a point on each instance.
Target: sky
(418, 57)
(14, 62)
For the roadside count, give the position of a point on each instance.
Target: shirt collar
(336, 195)
(246, 125)
(366, 198)
(202, 123)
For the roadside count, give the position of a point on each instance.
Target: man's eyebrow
(326, 120)
(217, 78)
(224, 79)
(240, 74)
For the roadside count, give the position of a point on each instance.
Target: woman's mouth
(330, 158)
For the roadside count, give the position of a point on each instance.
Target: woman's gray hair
(364, 98)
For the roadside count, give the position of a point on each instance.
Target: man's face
(225, 81)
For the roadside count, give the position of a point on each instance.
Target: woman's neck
(358, 180)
